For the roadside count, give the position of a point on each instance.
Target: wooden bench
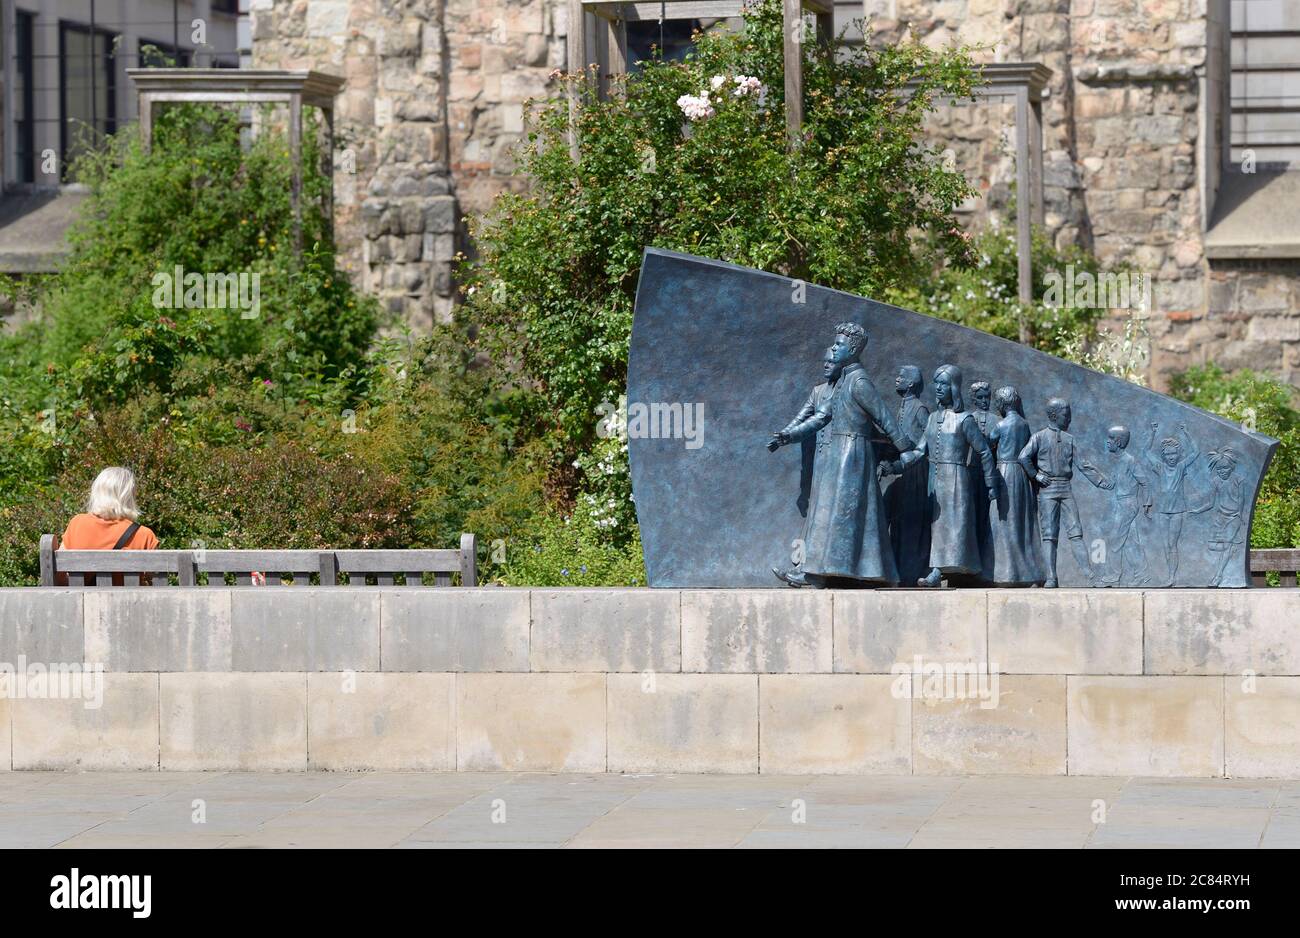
(268, 567)
(1285, 563)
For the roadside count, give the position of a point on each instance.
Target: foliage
(860, 204)
(985, 295)
(1269, 406)
(573, 550)
(211, 406)
(202, 202)
(282, 493)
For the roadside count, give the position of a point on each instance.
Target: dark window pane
(24, 87)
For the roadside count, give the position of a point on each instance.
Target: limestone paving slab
(454, 630)
(1261, 725)
(41, 626)
(683, 722)
(835, 723)
(233, 721)
(360, 720)
(1065, 631)
(531, 722)
(121, 732)
(158, 629)
(304, 629)
(1017, 728)
(877, 630)
(1148, 725)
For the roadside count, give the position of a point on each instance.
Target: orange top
(90, 532)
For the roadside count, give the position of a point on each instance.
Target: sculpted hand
(778, 440)
(993, 494)
(1042, 479)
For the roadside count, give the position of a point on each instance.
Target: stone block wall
(433, 102)
(1133, 130)
(896, 682)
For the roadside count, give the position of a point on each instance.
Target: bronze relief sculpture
(1013, 516)
(907, 500)
(846, 535)
(951, 436)
(731, 342)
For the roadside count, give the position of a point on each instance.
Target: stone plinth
(1014, 682)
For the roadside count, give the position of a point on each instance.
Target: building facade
(63, 86)
(65, 65)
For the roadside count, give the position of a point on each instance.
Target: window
(162, 55)
(87, 88)
(671, 37)
(24, 93)
(1266, 82)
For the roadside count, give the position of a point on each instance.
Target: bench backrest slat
(155, 567)
(1283, 561)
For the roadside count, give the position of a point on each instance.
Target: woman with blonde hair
(110, 520)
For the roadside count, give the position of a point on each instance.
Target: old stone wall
(433, 102)
(1133, 125)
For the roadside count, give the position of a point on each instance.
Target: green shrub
(281, 493)
(554, 280)
(204, 202)
(1269, 406)
(985, 295)
(572, 550)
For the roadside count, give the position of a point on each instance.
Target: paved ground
(507, 810)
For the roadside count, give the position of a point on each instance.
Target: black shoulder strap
(127, 535)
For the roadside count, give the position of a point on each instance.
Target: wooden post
(1036, 158)
(47, 560)
(327, 163)
(145, 110)
(468, 560)
(575, 42)
(329, 568)
(185, 568)
(295, 154)
(792, 40)
(1024, 206)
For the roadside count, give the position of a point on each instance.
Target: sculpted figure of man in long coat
(846, 532)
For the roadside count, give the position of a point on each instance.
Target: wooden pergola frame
(602, 37)
(1023, 83)
(294, 89)
(602, 40)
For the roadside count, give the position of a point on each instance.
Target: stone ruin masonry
(436, 90)
(434, 101)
